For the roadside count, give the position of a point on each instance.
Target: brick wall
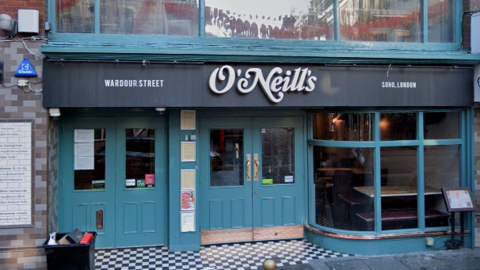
(11, 8)
(20, 247)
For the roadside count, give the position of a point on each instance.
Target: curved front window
(342, 175)
(383, 171)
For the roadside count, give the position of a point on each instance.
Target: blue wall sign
(25, 69)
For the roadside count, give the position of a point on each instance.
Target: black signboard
(93, 84)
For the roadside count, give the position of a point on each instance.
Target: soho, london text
(399, 84)
(274, 85)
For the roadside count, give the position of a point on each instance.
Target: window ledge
(381, 236)
(91, 46)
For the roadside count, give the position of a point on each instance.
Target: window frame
(327, 44)
(377, 144)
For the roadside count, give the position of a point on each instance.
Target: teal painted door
(112, 179)
(141, 192)
(253, 176)
(278, 193)
(79, 200)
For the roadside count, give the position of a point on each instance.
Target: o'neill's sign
(275, 84)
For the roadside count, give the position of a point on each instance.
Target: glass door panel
(89, 159)
(226, 157)
(278, 156)
(140, 158)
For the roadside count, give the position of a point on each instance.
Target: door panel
(237, 207)
(289, 210)
(271, 152)
(281, 185)
(148, 211)
(94, 166)
(140, 157)
(79, 201)
(266, 211)
(228, 204)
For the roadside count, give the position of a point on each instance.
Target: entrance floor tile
(239, 256)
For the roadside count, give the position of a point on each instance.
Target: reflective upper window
(441, 21)
(357, 20)
(270, 19)
(383, 20)
(139, 17)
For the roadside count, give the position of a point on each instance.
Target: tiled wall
(477, 175)
(53, 176)
(470, 7)
(21, 247)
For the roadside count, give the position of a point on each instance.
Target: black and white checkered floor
(243, 256)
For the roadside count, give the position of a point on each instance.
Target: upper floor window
(346, 20)
(138, 17)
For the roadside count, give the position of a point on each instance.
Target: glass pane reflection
(398, 126)
(399, 187)
(226, 157)
(343, 126)
(383, 20)
(441, 125)
(441, 21)
(138, 17)
(442, 169)
(278, 156)
(344, 188)
(85, 177)
(270, 19)
(140, 158)
(75, 16)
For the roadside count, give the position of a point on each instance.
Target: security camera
(8, 25)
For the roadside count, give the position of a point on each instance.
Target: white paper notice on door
(84, 149)
(84, 135)
(187, 220)
(84, 163)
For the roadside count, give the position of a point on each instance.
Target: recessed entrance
(254, 179)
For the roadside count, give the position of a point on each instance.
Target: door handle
(249, 167)
(256, 167)
(256, 192)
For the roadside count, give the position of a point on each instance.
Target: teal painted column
(179, 241)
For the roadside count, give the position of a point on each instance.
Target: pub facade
(190, 123)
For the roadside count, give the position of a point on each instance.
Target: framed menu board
(16, 174)
(458, 199)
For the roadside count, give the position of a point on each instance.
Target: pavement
(464, 259)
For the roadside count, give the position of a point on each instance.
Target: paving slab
(385, 263)
(297, 267)
(347, 265)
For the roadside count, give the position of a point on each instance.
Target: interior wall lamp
(54, 112)
(8, 25)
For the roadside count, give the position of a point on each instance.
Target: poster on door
(188, 199)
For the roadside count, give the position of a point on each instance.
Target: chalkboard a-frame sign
(458, 199)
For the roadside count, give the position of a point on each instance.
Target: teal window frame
(465, 162)
(424, 45)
